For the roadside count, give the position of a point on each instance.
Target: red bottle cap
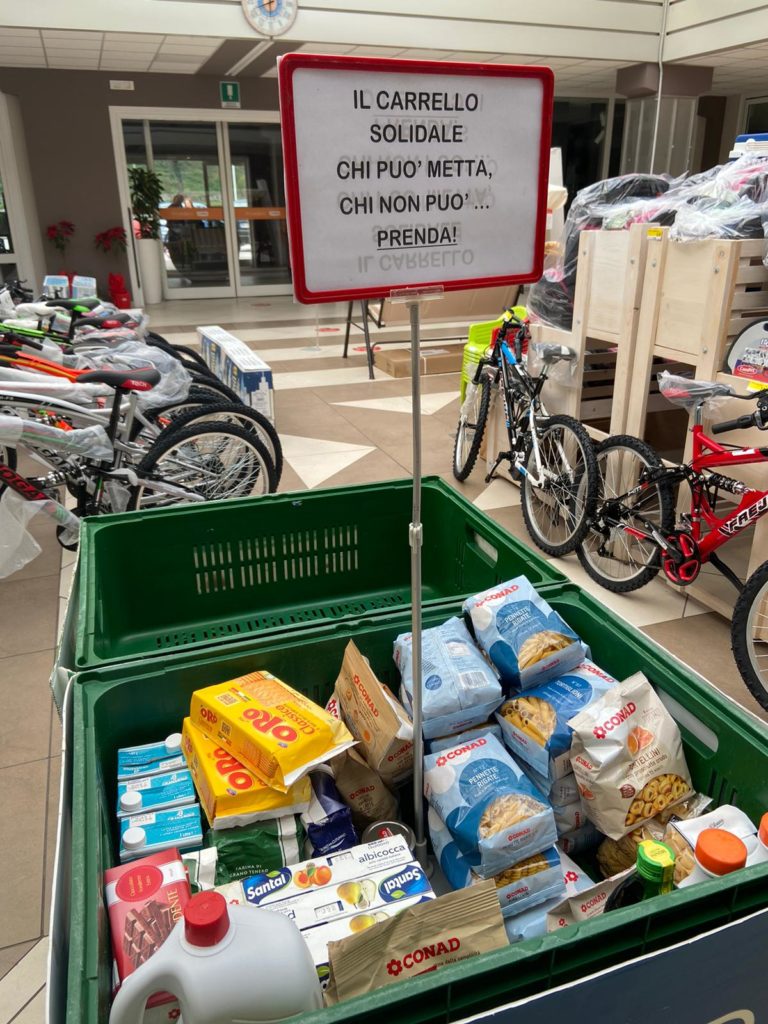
(206, 919)
(719, 851)
(763, 829)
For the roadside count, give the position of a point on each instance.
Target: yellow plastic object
(478, 340)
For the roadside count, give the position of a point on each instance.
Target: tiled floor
(337, 428)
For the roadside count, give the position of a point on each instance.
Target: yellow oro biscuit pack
(627, 756)
(278, 733)
(230, 793)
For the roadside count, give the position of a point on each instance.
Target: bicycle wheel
(469, 433)
(213, 460)
(216, 388)
(617, 560)
(749, 634)
(240, 415)
(556, 509)
(191, 359)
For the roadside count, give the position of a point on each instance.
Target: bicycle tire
(574, 497)
(194, 400)
(221, 391)
(188, 357)
(177, 438)
(648, 560)
(250, 419)
(747, 607)
(464, 464)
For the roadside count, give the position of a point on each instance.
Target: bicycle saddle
(551, 353)
(686, 391)
(123, 380)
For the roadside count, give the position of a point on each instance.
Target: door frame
(117, 114)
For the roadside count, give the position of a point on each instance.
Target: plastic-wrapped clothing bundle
(686, 392)
(460, 688)
(551, 298)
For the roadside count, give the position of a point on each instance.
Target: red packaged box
(145, 899)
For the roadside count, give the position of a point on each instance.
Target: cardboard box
(468, 304)
(239, 367)
(397, 361)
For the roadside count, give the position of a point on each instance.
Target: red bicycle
(633, 534)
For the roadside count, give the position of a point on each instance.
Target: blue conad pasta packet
(460, 687)
(557, 791)
(177, 827)
(581, 840)
(525, 639)
(535, 722)
(444, 742)
(155, 793)
(151, 758)
(532, 924)
(495, 814)
(532, 881)
(328, 820)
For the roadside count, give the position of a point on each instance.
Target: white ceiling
(741, 70)
(104, 51)
(572, 76)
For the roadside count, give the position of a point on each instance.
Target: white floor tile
(499, 493)
(655, 603)
(429, 403)
(326, 378)
(316, 460)
(19, 985)
(33, 1012)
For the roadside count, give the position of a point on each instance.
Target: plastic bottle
(225, 964)
(759, 852)
(653, 875)
(717, 853)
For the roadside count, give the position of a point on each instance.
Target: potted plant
(146, 196)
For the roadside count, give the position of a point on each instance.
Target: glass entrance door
(222, 215)
(255, 158)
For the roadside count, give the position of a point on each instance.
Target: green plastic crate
(197, 576)
(726, 748)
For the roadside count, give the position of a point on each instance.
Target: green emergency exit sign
(229, 94)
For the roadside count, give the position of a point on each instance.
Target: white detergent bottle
(226, 965)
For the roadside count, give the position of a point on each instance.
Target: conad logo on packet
(601, 731)
(496, 594)
(422, 955)
(458, 751)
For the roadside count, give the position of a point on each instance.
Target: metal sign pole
(415, 538)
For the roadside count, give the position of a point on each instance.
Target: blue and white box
(239, 367)
(154, 793)
(177, 827)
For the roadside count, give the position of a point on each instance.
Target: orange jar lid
(763, 829)
(720, 852)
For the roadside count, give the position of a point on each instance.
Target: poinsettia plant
(112, 238)
(60, 233)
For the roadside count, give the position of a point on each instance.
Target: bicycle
(552, 456)
(90, 452)
(633, 534)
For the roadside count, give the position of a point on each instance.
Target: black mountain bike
(551, 456)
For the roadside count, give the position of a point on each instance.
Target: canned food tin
(384, 829)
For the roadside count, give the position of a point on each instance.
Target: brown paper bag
(375, 718)
(362, 790)
(464, 923)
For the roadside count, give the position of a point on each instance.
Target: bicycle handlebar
(740, 423)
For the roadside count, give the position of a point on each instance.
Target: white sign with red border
(406, 174)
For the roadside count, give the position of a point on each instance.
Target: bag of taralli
(525, 639)
(627, 756)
